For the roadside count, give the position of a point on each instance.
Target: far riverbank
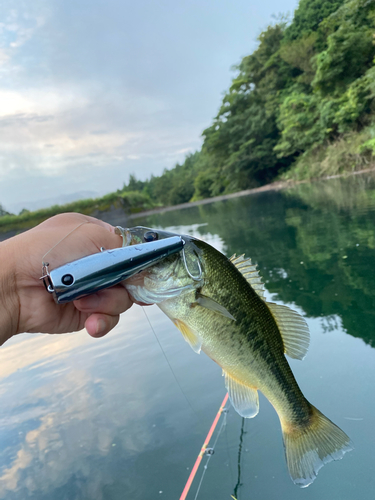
(273, 186)
(119, 215)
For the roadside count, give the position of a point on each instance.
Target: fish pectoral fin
(244, 399)
(191, 337)
(211, 304)
(293, 328)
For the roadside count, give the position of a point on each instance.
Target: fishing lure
(90, 274)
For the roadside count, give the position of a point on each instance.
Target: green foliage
(24, 211)
(202, 185)
(307, 88)
(208, 181)
(172, 187)
(340, 97)
(354, 106)
(368, 145)
(130, 202)
(352, 152)
(299, 121)
(304, 86)
(306, 120)
(244, 133)
(299, 54)
(308, 16)
(3, 211)
(134, 184)
(349, 54)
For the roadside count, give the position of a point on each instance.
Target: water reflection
(67, 414)
(314, 244)
(238, 483)
(86, 418)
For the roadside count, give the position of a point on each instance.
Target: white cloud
(88, 92)
(57, 384)
(40, 101)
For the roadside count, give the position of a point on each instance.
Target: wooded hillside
(301, 105)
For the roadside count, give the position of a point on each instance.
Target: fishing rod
(204, 449)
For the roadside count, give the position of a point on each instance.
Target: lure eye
(150, 236)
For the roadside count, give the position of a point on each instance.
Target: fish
(218, 305)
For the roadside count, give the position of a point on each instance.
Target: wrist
(9, 303)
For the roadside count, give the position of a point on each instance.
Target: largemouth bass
(218, 305)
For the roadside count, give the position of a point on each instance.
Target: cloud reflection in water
(65, 404)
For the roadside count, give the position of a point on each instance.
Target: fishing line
(60, 241)
(174, 375)
(204, 448)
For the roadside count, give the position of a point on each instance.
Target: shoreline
(273, 186)
(117, 216)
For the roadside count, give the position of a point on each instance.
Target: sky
(92, 91)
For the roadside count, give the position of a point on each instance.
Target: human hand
(27, 307)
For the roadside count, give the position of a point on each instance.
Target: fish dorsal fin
(191, 338)
(243, 398)
(293, 328)
(249, 271)
(211, 304)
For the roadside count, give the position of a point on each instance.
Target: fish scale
(254, 324)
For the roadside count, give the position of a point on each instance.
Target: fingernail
(100, 327)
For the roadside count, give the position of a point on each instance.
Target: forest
(300, 106)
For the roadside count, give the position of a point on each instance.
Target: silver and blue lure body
(90, 274)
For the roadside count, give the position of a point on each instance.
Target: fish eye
(150, 236)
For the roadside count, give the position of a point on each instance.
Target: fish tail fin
(310, 447)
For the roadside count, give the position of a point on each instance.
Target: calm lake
(125, 416)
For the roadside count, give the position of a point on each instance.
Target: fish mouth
(137, 235)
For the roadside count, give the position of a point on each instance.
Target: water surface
(112, 418)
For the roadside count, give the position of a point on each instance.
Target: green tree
(349, 55)
(303, 87)
(341, 94)
(244, 133)
(308, 17)
(3, 211)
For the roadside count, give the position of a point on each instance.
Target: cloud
(67, 148)
(87, 88)
(64, 409)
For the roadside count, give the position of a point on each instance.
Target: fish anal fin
(249, 271)
(191, 338)
(293, 328)
(308, 448)
(244, 399)
(211, 304)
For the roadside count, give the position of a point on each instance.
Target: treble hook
(195, 278)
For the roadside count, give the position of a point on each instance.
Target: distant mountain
(56, 200)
